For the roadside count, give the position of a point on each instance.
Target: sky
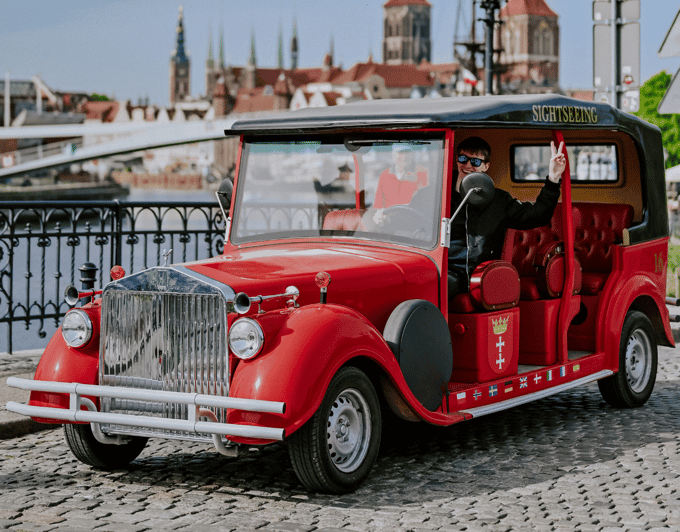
(122, 48)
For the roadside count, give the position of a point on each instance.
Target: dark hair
(476, 145)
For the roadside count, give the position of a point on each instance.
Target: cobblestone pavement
(569, 462)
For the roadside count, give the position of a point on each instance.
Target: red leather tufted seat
(494, 285)
(343, 220)
(597, 227)
(598, 230)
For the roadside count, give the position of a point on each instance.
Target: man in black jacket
(478, 232)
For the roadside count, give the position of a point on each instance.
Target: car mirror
(223, 194)
(482, 188)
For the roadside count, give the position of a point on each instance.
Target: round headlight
(246, 338)
(76, 328)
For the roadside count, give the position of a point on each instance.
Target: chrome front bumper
(190, 425)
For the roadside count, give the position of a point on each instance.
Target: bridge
(139, 136)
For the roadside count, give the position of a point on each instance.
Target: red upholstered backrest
(597, 227)
(600, 226)
(494, 285)
(344, 220)
(521, 247)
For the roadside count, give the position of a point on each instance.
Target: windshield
(377, 189)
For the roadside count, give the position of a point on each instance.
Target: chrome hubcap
(348, 430)
(638, 360)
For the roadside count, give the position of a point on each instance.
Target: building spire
(294, 47)
(210, 63)
(252, 61)
(280, 51)
(221, 48)
(330, 52)
(180, 55)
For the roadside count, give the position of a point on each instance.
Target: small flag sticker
(460, 396)
(493, 390)
(563, 371)
(548, 375)
(477, 394)
(577, 367)
(523, 382)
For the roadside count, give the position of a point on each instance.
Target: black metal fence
(42, 245)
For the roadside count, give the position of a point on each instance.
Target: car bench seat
(343, 220)
(536, 255)
(600, 227)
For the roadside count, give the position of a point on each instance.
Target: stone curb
(22, 427)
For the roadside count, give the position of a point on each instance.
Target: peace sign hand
(558, 162)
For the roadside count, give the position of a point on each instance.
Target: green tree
(651, 94)
(94, 97)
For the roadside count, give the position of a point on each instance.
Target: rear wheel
(633, 384)
(336, 449)
(88, 450)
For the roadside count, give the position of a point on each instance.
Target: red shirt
(393, 191)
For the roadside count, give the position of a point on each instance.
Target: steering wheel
(407, 219)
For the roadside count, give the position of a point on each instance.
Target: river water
(27, 287)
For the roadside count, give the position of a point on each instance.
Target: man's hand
(558, 162)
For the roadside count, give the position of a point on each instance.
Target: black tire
(633, 384)
(88, 450)
(336, 449)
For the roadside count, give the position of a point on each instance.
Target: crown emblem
(500, 325)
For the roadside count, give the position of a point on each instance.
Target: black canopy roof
(533, 111)
(544, 111)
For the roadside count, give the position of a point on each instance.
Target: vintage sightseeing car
(330, 305)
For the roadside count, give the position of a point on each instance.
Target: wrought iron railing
(42, 245)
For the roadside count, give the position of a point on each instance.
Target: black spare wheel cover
(419, 337)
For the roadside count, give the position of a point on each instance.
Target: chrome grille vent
(159, 340)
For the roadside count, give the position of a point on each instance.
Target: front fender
(309, 348)
(61, 363)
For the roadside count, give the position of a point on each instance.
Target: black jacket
(477, 233)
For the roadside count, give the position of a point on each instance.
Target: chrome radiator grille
(163, 341)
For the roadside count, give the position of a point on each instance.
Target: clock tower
(180, 66)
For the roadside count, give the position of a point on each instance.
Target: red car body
(533, 324)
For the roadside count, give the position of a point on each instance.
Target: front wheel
(86, 448)
(638, 359)
(336, 449)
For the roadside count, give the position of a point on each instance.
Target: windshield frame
(432, 145)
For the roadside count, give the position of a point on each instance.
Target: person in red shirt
(399, 186)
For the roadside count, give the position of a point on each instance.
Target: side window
(587, 162)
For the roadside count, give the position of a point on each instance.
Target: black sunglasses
(476, 161)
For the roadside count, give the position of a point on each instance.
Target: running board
(497, 407)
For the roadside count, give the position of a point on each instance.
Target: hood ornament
(166, 254)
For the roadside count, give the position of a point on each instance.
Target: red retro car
(330, 304)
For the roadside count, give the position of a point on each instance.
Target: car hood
(369, 279)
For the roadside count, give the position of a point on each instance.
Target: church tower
(294, 47)
(529, 39)
(180, 66)
(406, 33)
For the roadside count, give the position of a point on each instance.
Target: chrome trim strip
(77, 390)
(226, 290)
(224, 429)
(497, 407)
(157, 396)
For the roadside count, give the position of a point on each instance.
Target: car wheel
(88, 450)
(633, 384)
(337, 447)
